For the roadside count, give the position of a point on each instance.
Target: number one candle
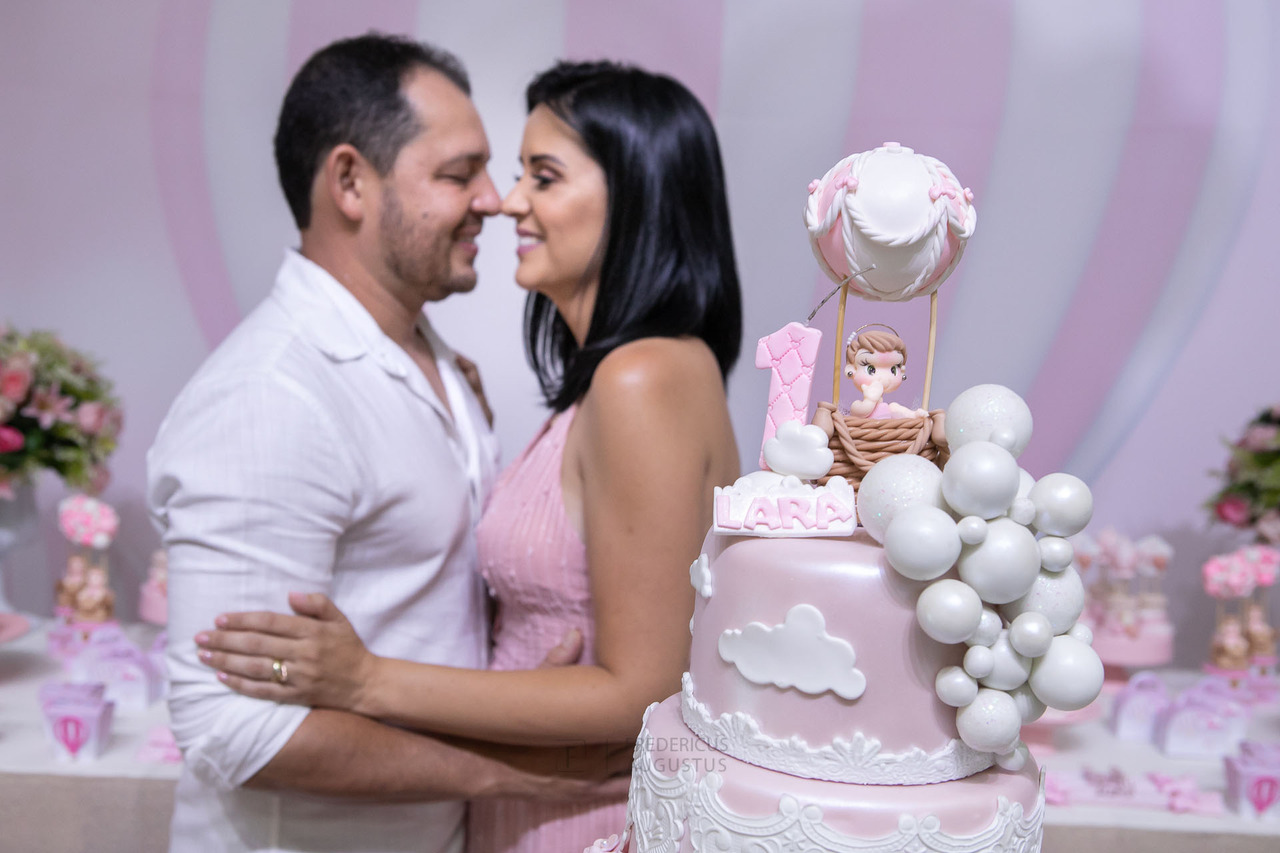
(790, 354)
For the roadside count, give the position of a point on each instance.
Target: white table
(112, 803)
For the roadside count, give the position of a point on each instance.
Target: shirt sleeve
(248, 485)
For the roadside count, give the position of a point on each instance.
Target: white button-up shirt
(310, 453)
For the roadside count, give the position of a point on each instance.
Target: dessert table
(121, 802)
(114, 802)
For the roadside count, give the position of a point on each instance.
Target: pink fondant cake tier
(687, 796)
(1151, 646)
(895, 732)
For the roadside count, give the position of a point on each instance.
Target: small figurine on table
(1262, 638)
(96, 602)
(70, 584)
(1230, 649)
(877, 363)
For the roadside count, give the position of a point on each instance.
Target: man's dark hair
(667, 266)
(350, 92)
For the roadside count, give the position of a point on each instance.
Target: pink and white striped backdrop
(1120, 277)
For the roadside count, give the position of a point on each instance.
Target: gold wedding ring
(279, 671)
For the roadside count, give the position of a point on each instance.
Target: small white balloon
(921, 542)
(1022, 511)
(990, 723)
(1081, 632)
(893, 484)
(1030, 634)
(1059, 596)
(1003, 436)
(949, 611)
(979, 661)
(972, 529)
(1025, 482)
(1004, 566)
(1068, 676)
(988, 629)
(1064, 504)
(1056, 553)
(1029, 706)
(1015, 759)
(979, 411)
(955, 687)
(1008, 668)
(980, 479)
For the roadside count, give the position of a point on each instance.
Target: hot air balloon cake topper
(887, 225)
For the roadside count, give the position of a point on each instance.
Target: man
(332, 444)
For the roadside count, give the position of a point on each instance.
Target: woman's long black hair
(667, 267)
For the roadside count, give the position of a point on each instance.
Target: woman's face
(560, 203)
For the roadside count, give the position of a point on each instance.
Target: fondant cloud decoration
(700, 575)
(798, 653)
(800, 450)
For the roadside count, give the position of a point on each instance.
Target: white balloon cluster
(1017, 597)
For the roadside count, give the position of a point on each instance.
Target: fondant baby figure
(70, 584)
(877, 363)
(1230, 649)
(96, 602)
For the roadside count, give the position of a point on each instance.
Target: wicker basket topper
(858, 443)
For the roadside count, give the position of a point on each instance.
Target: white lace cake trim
(662, 810)
(858, 760)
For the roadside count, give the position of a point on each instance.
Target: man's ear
(345, 178)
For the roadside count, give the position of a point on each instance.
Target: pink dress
(536, 567)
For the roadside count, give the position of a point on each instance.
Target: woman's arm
(651, 439)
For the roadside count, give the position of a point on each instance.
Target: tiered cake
(862, 688)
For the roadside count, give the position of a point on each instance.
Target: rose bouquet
(56, 411)
(1250, 493)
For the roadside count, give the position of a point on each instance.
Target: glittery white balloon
(1064, 504)
(1004, 566)
(955, 687)
(979, 661)
(980, 479)
(1030, 634)
(990, 723)
(1058, 595)
(1056, 553)
(1068, 676)
(988, 629)
(893, 484)
(949, 611)
(1009, 669)
(922, 543)
(1029, 706)
(982, 409)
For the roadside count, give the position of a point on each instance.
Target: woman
(632, 324)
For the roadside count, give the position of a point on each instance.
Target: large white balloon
(1063, 504)
(1009, 669)
(1058, 595)
(980, 479)
(949, 611)
(983, 409)
(955, 687)
(922, 542)
(893, 484)
(990, 723)
(1004, 566)
(1068, 677)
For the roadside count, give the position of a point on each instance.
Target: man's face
(437, 193)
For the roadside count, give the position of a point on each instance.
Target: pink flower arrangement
(1250, 493)
(1238, 574)
(87, 521)
(56, 412)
